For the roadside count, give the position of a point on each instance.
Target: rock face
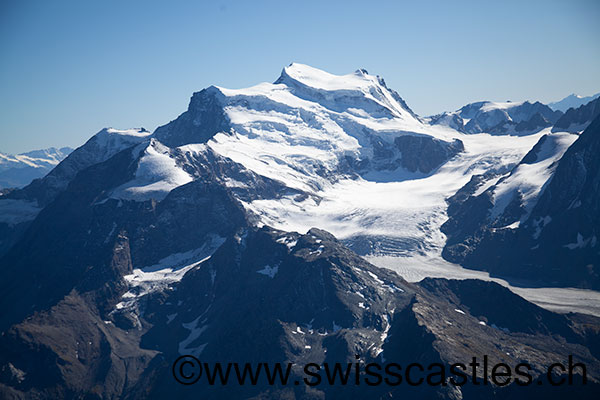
(555, 242)
(577, 119)
(203, 118)
(421, 153)
(282, 297)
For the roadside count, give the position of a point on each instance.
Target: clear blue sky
(69, 68)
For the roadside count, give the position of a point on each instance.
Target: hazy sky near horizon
(70, 68)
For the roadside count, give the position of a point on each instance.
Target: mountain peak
(313, 83)
(306, 75)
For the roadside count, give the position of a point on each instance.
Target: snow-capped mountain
(499, 118)
(236, 230)
(344, 153)
(19, 170)
(572, 101)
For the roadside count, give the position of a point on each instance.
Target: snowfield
(156, 175)
(168, 271)
(529, 178)
(396, 205)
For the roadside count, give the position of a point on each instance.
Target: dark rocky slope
(275, 296)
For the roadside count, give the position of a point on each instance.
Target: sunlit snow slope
(298, 131)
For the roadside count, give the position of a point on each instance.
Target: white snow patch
(269, 271)
(195, 331)
(318, 251)
(109, 142)
(581, 243)
(135, 132)
(514, 225)
(384, 335)
(168, 271)
(393, 288)
(336, 327)
(375, 278)
(493, 105)
(486, 185)
(170, 318)
(540, 224)
(156, 175)
(288, 241)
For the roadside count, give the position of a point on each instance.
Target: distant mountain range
(237, 232)
(572, 101)
(520, 118)
(18, 171)
(500, 118)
